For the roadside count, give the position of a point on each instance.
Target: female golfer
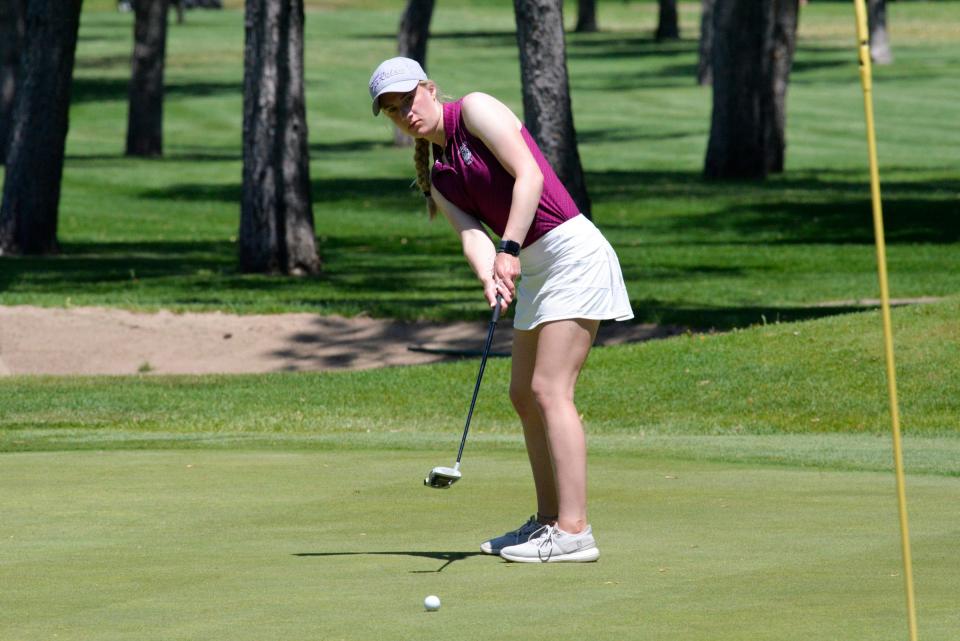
(487, 170)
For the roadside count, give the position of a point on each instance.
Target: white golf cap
(396, 75)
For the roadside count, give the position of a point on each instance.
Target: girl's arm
(492, 122)
(477, 247)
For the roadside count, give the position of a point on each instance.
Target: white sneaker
(554, 545)
(521, 535)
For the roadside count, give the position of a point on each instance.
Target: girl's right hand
(493, 288)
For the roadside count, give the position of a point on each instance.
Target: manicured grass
(161, 233)
(345, 545)
(740, 483)
(683, 397)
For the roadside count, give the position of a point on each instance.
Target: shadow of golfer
(448, 557)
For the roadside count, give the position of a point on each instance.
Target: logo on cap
(394, 75)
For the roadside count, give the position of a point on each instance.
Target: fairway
(344, 545)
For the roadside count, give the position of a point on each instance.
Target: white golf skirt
(570, 272)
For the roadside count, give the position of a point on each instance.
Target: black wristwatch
(511, 247)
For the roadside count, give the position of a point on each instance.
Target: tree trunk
(415, 31)
(704, 66)
(880, 51)
(546, 91)
(785, 14)
(753, 49)
(12, 27)
(31, 190)
(668, 27)
(276, 217)
(586, 16)
(145, 112)
(412, 37)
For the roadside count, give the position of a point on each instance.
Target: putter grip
(496, 309)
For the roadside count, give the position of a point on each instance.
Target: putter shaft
(483, 365)
(444, 477)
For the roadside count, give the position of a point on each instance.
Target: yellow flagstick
(863, 41)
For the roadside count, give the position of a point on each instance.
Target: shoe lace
(545, 543)
(536, 534)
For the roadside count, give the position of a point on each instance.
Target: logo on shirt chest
(466, 154)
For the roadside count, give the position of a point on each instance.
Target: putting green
(345, 545)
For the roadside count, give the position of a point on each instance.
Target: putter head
(441, 478)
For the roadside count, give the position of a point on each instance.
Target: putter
(443, 477)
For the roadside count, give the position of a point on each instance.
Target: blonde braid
(421, 160)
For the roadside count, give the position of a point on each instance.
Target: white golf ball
(432, 603)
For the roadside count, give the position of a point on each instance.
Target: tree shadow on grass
(372, 275)
(377, 274)
(482, 39)
(82, 264)
(666, 69)
(171, 154)
(674, 63)
(626, 134)
(387, 193)
(447, 557)
(205, 276)
(114, 61)
(906, 220)
(718, 318)
(822, 60)
(795, 208)
(85, 90)
(348, 146)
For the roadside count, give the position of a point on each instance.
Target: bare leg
(561, 351)
(523, 362)
(556, 442)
